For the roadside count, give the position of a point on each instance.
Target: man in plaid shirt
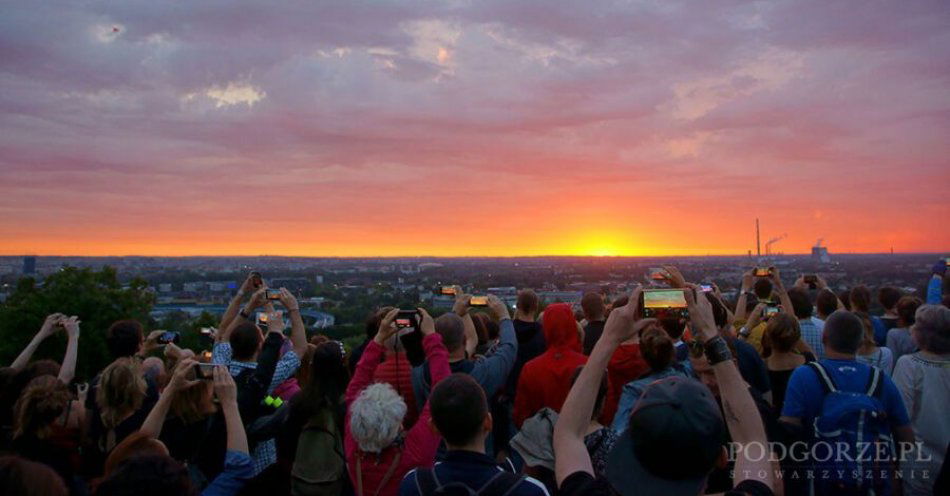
(240, 343)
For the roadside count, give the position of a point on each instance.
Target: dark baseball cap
(675, 435)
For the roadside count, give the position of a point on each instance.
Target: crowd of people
(793, 391)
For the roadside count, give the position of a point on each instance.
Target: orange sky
(483, 128)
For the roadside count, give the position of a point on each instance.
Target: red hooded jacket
(625, 365)
(546, 380)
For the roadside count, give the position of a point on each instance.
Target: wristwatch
(745, 332)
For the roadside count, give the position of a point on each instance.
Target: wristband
(744, 332)
(239, 294)
(717, 351)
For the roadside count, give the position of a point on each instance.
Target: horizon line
(344, 257)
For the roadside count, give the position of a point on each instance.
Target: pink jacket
(420, 443)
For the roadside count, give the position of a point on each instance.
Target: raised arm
(495, 368)
(180, 380)
(68, 369)
(226, 391)
(782, 293)
(258, 299)
(422, 441)
(570, 453)
(747, 280)
(249, 286)
(741, 415)
(363, 376)
(46, 330)
(461, 309)
(298, 333)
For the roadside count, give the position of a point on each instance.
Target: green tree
(96, 297)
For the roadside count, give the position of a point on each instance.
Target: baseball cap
(675, 435)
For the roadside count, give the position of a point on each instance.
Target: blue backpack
(854, 448)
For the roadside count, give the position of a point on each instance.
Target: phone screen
(272, 294)
(658, 274)
(168, 337)
(403, 323)
(448, 290)
(664, 298)
(478, 301)
(706, 287)
(762, 272)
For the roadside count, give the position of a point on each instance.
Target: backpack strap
(501, 484)
(875, 383)
(427, 482)
(389, 473)
(826, 382)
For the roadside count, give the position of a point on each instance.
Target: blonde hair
(41, 403)
(121, 391)
(193, 403)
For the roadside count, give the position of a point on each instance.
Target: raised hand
(676, 278)
(288, 300)
(701, 318)
(71, 325)
(50, 325)
(258, 299)
(182, 378)
(387, 327)
(462, 300)
(498, 308)
(426, 324)
(224, 387)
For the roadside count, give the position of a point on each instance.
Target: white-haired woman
(378, 452)
(923, 379)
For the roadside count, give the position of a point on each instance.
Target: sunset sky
(495, 127)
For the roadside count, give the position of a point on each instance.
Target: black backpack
(501, 484)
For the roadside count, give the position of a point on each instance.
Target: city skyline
(497, 128)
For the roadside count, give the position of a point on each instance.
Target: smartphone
(169, 337)
(763, 271)
(272, 294)
(407, 319)
(261, 318)
(771, 310)
(257, 279)
(447, 290)
(205, 356)
(478, 301)
(664, 303)
(207, 331)
(204, 371)
(658, 274)
(707, 288)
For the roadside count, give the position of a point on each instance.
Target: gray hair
(931, 329)
(376, 417)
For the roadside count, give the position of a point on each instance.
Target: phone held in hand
(169, 337)
(707, 288)
(664, 303)
(763, 271)
(272, 294)
(407, 319)
(478, 301)
(447, 290)
(771, 310)
(204, 371)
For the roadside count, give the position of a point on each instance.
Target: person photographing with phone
(675, 438)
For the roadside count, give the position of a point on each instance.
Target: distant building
(820, 254)
(29, 265)
(165, 287)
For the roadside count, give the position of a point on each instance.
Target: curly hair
(41, 403)
(783, 331)
(121, 391)
(376, 417)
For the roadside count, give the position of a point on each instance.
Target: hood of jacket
(560, 328)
